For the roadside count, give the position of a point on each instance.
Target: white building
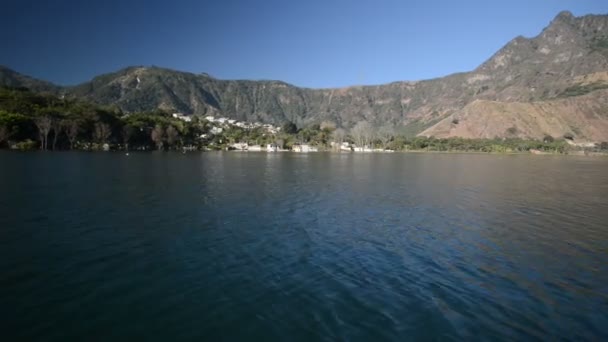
(369, 149)
(240, 146)
(182, 117)
(345, 147)
(270, 128)
(216, 130)
(362, 149)
(304, 148)
(580, 144)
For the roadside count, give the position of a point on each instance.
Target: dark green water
(260, 247)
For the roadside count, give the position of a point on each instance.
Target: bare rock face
(583, 117)
(550, 84)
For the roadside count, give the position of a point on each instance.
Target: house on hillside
(182, 117)
(216, 130)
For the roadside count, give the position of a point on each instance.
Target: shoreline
(573, 154)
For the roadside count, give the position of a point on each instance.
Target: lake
(303, 247)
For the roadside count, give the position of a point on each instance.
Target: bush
(512, 130)
(580, 89)
(25, 145)
(289, 128)
(569, 136)
(548, 139)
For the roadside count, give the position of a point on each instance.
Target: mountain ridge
(557, 63)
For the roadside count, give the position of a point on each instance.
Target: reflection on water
(263, 246)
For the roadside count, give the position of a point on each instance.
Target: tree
(172, 135)
(338, 135)
(399, 142)
(127, 133)
(386, 133)
(307, 134)
(328, 126)
(234, 134)
(548, 139)
(604, 145)
(4, 133)
(44, 125)
(57, 129)
(14, 123)
(362, 133)
(72, 129)
(289, 128)
(158, 136)
(102, 132)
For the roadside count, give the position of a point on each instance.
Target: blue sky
(314, 43)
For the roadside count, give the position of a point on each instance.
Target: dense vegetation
(39, 121)
(579, 89)
(29, 120)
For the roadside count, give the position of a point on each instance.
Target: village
(220, 125)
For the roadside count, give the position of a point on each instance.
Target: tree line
(47, 122)
(42, 121)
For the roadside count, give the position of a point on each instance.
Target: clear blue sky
(312, 43)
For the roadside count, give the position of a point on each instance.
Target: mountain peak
(565, 17)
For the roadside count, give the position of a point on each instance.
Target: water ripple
(241, 246)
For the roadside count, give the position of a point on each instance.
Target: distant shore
(567, 154)
(30, 121)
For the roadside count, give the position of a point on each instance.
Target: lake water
(260, 247)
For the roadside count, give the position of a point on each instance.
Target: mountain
(10, 78)
(555, 83)
(552, 84)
